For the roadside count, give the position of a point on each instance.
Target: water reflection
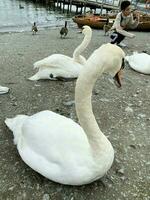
(17, 15)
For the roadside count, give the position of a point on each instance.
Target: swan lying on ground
(140, 62)
(4, 90)
(59, 66)
(56, 146)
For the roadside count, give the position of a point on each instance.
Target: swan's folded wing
(53, 61)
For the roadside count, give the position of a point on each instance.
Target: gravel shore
(122, 114)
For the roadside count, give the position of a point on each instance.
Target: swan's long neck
(77, 52)
(83, 94)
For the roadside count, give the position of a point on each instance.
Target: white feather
(140, 62)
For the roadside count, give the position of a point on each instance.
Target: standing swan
(56, 146)
(59, 65)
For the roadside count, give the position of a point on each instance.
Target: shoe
(121, 44)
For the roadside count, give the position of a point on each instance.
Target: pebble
(36, 85)
(141, 115)
(133, 146)
(120, 171)
(45, 197)
(14, 104)
(128, 110)
(11, 188)
(123, 178)
(96, 92)
(104, 100)
(134, 95)
(69, 103)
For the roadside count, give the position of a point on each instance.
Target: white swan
(59, 65)
(140, 62)
(4, 90)
(56, 146)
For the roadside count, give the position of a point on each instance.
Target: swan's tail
(15, 125)
(35, 77)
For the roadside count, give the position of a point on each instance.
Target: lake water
(12, 18)
(15, 19)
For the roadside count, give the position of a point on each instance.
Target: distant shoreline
(20, 29)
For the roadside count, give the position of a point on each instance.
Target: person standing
(123, 21)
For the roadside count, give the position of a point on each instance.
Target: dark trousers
(116, 38)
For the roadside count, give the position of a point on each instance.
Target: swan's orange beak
(118, 77)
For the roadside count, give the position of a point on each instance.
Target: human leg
(116, 38)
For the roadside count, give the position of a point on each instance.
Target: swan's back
(140, 62)
(55, 60)
(56, 65)
(58, 61)
(55, 150)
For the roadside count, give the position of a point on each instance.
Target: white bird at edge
(58, 66)
(4, 90)
(140, 62)
(57, 147)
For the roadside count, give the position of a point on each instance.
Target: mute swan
(59, 65)
(64, 30)
(140, 62)
(3, 90)
(56, 146)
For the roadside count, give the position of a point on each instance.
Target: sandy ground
(123, 115)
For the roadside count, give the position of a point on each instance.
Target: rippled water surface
(14, 18)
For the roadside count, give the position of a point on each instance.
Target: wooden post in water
(76, 9)
(57, 3)
(85, 7)
(64, 6)
(81, 9)
(101, 7)
(70, 5)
